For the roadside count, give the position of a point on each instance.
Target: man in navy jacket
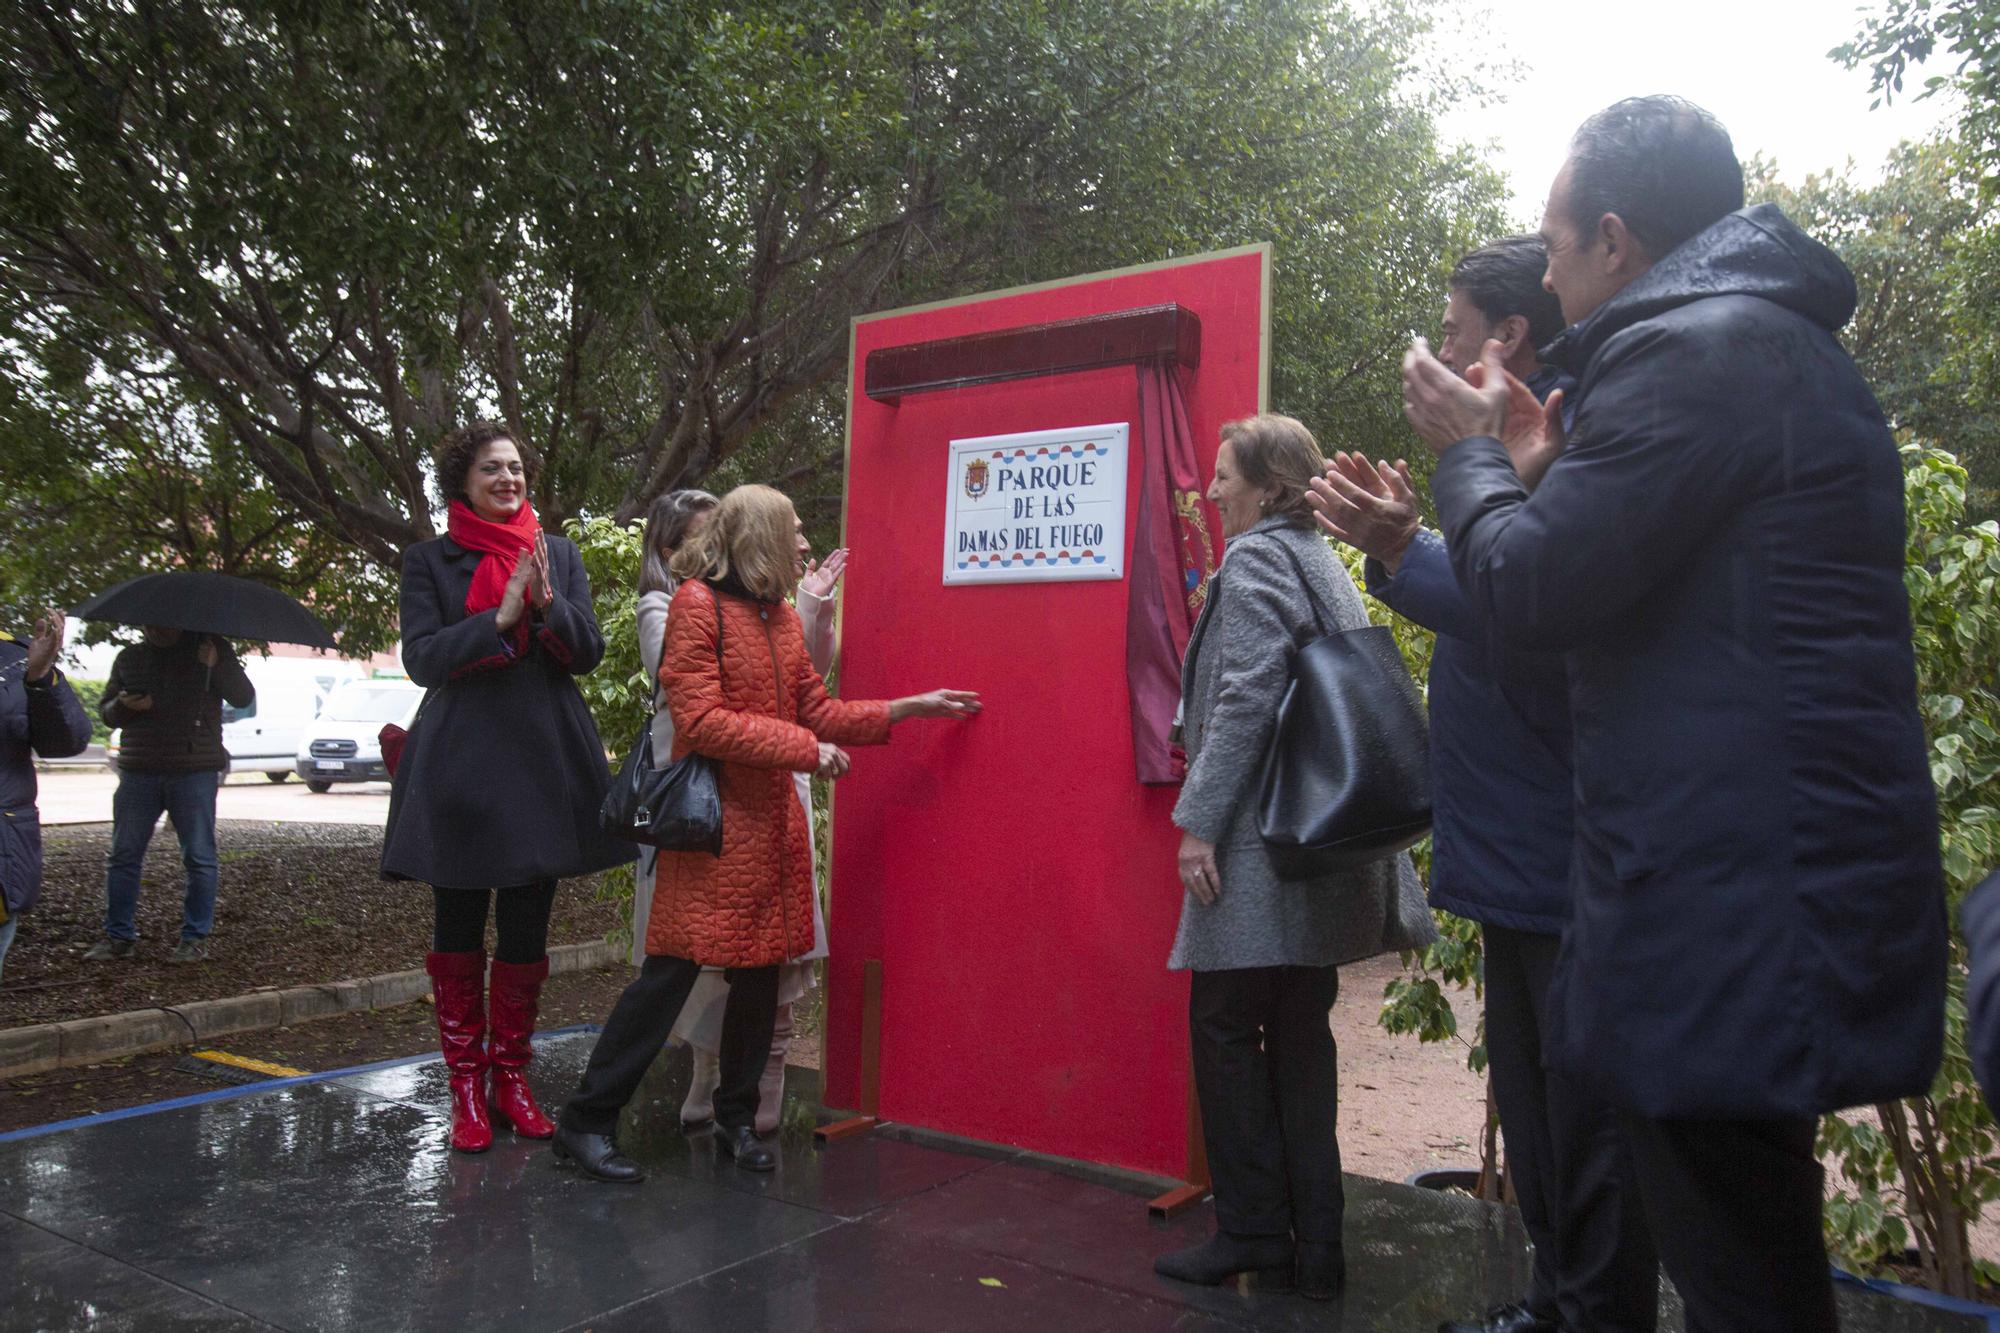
(39, 715)
(1502, 833)
(1758, 932)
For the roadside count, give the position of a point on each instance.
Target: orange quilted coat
(763, 715)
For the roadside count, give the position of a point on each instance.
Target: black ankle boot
(595, 1155)
(1268, 1260)
(741, 1142)
(1322, 1269)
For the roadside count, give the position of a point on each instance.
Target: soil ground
(299, 904)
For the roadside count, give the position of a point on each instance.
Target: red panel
(1015, 880)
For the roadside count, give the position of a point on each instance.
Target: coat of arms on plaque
(975, 478)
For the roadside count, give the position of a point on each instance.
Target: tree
(1908, 33)
(639, 231)
(104, 478)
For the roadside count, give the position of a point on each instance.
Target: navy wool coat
(503, 774)
(1500, 771)
(47, 720)
(1759, 917)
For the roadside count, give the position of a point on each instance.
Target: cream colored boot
(699, 1108)
(771, 1087)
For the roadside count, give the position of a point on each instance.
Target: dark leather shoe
(751, 1153)
(596, 1155)
(1515, 1318)
(1268, 1260)
(1322, 1270)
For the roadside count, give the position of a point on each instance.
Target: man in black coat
(1502, 833)
(167, 695)
(1758, 933)
(39, 715)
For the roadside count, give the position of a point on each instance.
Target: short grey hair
(1274, 450)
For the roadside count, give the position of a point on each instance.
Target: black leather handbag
(1347, 777)
(677, 808)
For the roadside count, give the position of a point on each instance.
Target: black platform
(335, 1204)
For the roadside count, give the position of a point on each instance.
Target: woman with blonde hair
(741, 690)
(1266, 952)
(675, 519)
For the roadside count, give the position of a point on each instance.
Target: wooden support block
(844, 1129)
(1177, 1201)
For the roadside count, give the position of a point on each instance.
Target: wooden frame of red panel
(1119, 338)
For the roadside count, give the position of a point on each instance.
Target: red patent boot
(458, 982)
(517, 988)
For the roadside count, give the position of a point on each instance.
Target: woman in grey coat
(1265, 952)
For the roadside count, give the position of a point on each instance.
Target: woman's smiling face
(497, 484)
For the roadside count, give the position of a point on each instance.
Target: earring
(1263, 506)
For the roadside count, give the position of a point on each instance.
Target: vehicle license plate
(328, 765)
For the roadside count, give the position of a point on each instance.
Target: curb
(82, 1041)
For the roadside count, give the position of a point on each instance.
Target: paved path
(83, 796)
(334, 1204)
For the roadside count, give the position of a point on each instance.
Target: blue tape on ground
(246, 1090)
(1986, 1314)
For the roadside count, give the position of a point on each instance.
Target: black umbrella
(219, 604)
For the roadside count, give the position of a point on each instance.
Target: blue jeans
(189, 801)
(7, 940)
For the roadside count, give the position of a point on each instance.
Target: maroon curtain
(1173, 555)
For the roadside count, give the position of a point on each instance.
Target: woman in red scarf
(498, 786)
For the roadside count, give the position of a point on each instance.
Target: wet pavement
(333, 1203)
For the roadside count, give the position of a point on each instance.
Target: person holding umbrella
(496, 793)
(166, 693)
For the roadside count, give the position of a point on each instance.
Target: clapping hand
(1371, 507)
(513, 598)
(1534, 435)
(44, 645)
(823, 576)
(1444, 409)
(541, 587)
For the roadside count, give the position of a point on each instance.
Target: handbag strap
(1312, 594)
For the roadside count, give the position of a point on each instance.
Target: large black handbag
(1347, 777)
(677, 808)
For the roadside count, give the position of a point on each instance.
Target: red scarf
(502, 546)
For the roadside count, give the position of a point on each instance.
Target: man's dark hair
(457, 451)
(1662, 164)
(1505, 278)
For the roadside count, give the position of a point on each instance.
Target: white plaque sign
(1045, 505)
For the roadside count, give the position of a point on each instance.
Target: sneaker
(189, 951)
(108, 948)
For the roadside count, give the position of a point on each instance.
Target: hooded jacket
(1759, 916)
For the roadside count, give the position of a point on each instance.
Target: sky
(1758, 65)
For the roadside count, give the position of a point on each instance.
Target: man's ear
(1513, 335)
(1623, 254)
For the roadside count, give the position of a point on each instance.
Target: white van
(344, 744)
(265, 737)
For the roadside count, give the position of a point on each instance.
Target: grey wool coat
(1238, 665)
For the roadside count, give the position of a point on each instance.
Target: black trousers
(1264, 1073)
(1595, 1264)
(1736, 1207)
(639, 1026)
(521, 921)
